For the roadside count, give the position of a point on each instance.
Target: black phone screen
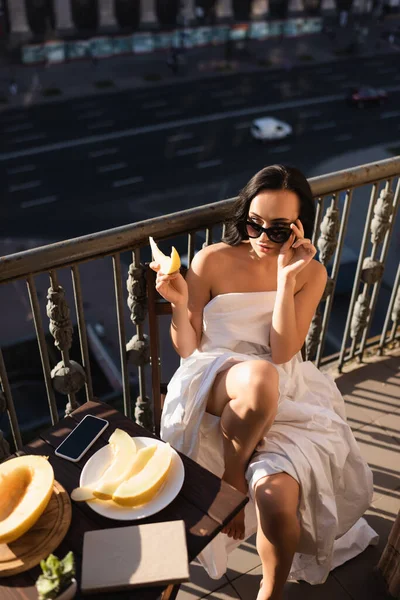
(81, 436)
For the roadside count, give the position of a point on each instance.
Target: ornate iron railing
(334, 195)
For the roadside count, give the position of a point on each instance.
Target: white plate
(94, 468)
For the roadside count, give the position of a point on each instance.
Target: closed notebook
(139, 555)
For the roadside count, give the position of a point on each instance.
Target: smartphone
(78, 442)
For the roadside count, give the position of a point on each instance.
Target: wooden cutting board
(42, 539)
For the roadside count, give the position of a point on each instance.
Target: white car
(269, 128)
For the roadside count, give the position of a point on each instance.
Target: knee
(260, 382)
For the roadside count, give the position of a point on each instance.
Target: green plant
(57, 576)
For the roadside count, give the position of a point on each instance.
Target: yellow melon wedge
(107, 488)
(141, 488)
(124, 456)
(168, 264)
(26, 486)
(82, 494)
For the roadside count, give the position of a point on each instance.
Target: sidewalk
(43, 84)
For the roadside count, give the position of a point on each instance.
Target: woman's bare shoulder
(213, 254)
(315, 274)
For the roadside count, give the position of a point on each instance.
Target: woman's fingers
(306, 244)
(287, 245)
(154, 265)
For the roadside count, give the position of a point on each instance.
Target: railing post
(68, 376)
(4, 445)
(138, 346)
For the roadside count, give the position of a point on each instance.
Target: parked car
(269, 128)
(364, 96)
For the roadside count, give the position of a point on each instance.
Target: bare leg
(245, 396)
(278, 532)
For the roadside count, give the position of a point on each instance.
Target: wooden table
(205, 503)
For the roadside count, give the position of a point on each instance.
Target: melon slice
(82, 494)
(26, 486)
(168, 264)
(124, 455)
(143, 486)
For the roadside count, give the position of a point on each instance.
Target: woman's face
(272, 208)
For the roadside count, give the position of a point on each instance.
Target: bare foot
(235, 528)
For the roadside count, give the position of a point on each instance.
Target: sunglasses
(278, 235)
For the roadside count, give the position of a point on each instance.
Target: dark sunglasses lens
(279, 235)
(253, 230)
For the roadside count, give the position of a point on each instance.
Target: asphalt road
(71, 168)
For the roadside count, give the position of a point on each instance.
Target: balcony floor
(372, 395)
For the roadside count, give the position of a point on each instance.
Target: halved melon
(168, 264)
(26, 485)
(143, 486)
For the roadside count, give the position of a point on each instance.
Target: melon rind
(168, 264)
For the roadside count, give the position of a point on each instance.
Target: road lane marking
(131, 180)
(21, 127)
(209, 163)
(279, 149)
(29, 138)
(180, 137)
(192, 150)
(105, 152)
(19, 187)
(388, 70)
(89, 114)
(100, 124)
(46, 200)
(320, 126)
(343, 137)
(389, 114)
(113, 167)
(23, 169)
(220, 116)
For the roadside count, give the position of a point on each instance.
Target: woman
(244, 405)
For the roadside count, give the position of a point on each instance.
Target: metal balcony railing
(342, 203)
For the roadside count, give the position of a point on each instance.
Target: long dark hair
(275, 177)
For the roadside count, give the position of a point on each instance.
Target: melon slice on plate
(124, 455)
(143, 486)
(26, 486)
(82, 494)
(168, 264)
(123, 458)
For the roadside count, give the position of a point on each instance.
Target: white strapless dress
(309, 439)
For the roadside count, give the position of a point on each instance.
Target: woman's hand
(171, 287)
(295, 254)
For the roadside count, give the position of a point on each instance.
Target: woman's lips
(265, 248)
